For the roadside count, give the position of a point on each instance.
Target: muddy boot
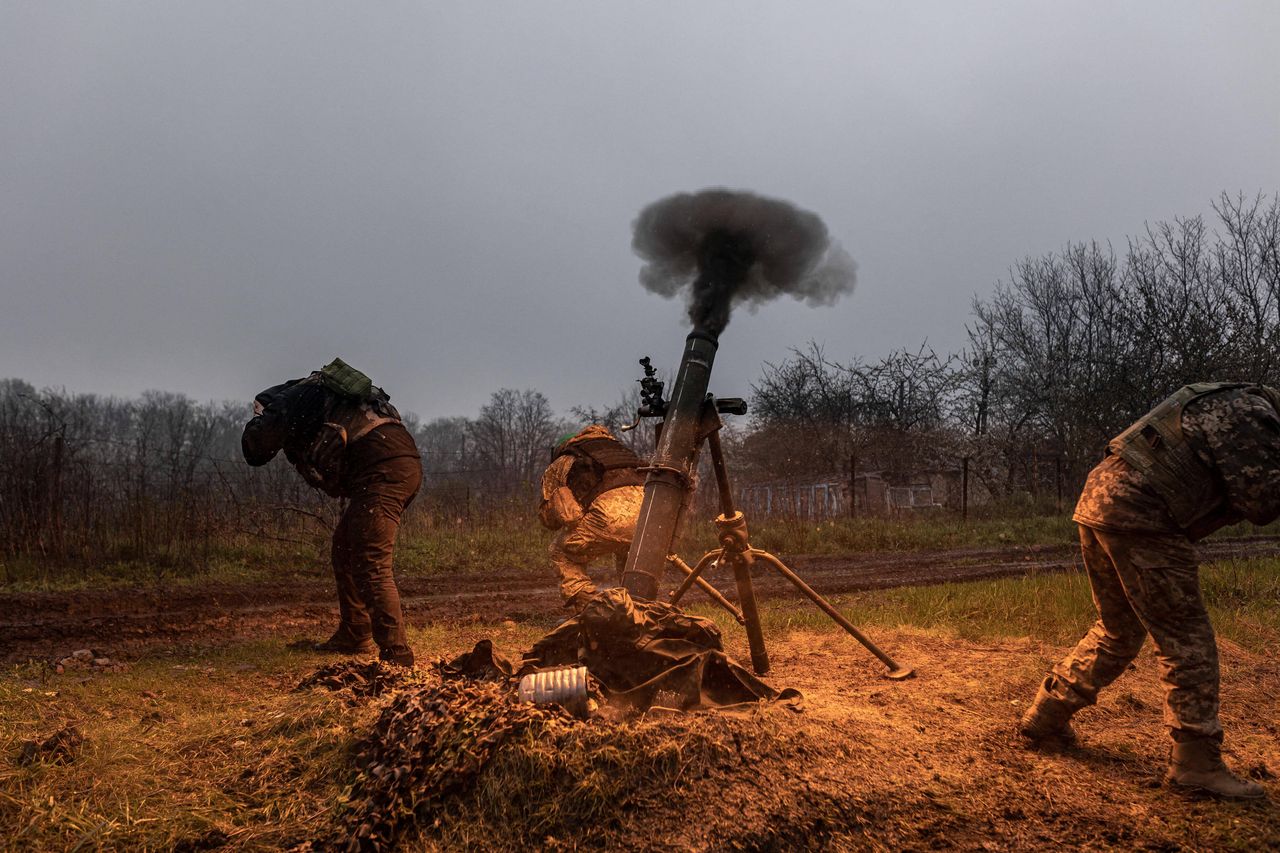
(578, 601)
(1048, 719)
(399, 655)
(1197, 765)
(348, 641)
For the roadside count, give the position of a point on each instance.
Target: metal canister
(563, 685)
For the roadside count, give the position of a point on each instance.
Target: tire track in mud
(35, 624)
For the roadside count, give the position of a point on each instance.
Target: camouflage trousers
(1146, 584)
(605, 529)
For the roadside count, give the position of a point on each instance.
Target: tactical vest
(601, 464)
(346, 420)
(1156, 447)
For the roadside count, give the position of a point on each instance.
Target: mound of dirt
(427, 745)
(471, 767)
(435, 742)
(651, 782)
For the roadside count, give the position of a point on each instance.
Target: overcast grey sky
(211, 197)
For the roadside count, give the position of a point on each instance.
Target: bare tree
(513, 437)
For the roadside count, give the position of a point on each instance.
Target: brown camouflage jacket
(1235, 434)
(569, 486)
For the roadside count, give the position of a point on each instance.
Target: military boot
(1197, 765)
(399, 655)
(349, 641)
(1048, 719)
(576, 603)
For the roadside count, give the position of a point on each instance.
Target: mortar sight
(652, 404)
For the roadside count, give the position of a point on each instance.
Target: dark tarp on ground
(483, 663)
(647, 653)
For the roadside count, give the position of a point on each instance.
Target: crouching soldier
(345, 438)
(591, 493)
(1206, 457)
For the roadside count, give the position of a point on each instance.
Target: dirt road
(47, 624)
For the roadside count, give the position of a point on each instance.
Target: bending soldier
(1206, 457)
(345, 438)
(591, 493)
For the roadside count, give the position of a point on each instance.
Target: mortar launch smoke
(728, 248)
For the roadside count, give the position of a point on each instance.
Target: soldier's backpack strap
(1156, 447)
(607, 453)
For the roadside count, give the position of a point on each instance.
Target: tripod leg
(691, 576)
(694, 576)
(896, 671)
(751, 616)
(733, 539)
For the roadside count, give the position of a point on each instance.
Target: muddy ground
(931, 763)
(935, 763)
(869, 764)
(40, 625)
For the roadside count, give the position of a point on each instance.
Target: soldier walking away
(344, 437)
(1206, 457)
(591, 494)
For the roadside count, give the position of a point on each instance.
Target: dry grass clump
(173, 758)
(360, 679)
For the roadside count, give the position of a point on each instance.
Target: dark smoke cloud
(729, 248)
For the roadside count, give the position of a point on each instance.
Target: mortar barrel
(668, 479)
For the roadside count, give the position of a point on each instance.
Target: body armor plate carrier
(601, 464)
(1156, 447)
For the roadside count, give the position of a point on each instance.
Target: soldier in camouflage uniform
(1206, 457)
(591, 494)
(345, 438)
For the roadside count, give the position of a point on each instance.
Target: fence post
(1035, 473)
(964, 489)
(55, 503)
(853, 485)
(1057, 479)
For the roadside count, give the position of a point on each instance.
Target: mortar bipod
(735, 550)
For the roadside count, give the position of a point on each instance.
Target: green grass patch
(499, 546)
(512, 544)
(926, 533)
(244, 561)
(1243, 597)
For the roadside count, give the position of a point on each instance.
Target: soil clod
(62, 747)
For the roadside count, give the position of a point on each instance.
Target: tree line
(1060, 356)
(91, 479)
(1065, 352)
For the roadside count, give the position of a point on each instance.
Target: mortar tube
(669, 475)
